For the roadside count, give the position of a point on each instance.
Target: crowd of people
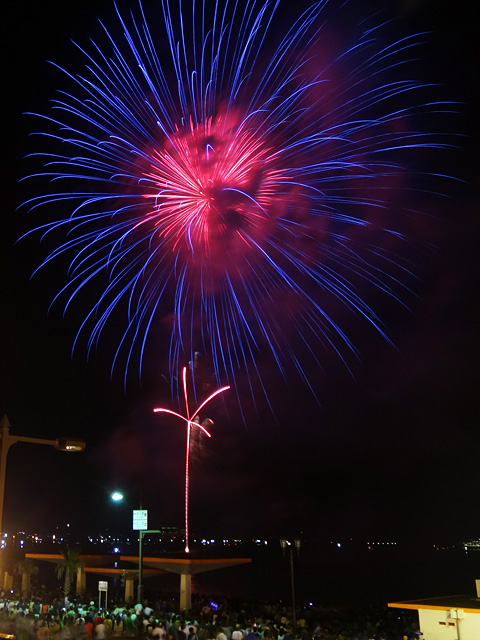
(55, 618)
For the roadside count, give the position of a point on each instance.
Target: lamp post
(290, 545)
(140, 562)
(140, 520)
(73, 445)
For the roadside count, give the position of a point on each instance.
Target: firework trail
(230, 188)
(191, 422)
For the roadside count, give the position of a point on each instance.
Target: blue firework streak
(241, 189)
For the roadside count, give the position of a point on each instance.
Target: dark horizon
(324, 576)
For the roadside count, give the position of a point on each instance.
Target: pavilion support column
(185, 592)
(7, 581)
(129, 589)
(81, 582)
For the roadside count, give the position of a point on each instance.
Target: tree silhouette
(68, 567)
(27, 568)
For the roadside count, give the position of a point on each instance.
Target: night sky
(391, 451)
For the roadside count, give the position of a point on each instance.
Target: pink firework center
(191, 422)
(217, 182)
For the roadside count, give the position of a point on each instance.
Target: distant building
(447, 618)
(471, 545)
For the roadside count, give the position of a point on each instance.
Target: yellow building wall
(440, 625)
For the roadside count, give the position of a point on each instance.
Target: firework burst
(236, 187)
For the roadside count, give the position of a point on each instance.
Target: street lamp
(140, 562)
(72, 445)
(290, 545)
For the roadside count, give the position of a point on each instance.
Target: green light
(116, 496)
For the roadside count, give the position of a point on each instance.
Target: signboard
(140, 519)
(102, 588)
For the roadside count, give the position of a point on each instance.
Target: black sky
(393, 450)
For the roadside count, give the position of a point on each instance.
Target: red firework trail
(195, 421)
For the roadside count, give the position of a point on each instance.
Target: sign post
(102, 586)
(140, 524)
